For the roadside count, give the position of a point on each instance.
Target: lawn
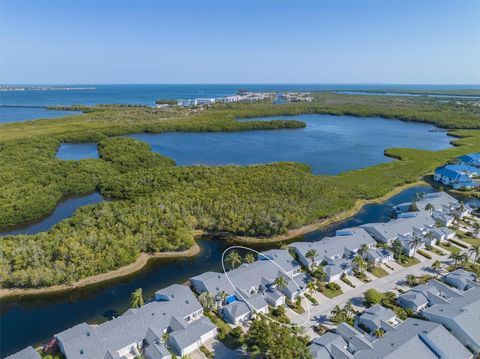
(410, 262)
(437, 251)
(379, 272)
(450, 248)
(329, 293)
(470, 240)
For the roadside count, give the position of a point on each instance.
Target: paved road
(321, 312)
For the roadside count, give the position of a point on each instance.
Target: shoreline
(124, 271)
(143, 258)
(326, 222)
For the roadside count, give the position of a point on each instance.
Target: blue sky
(338, 41)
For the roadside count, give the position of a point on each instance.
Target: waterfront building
(251, 287)
(470, 159)
(27, 353)
(459, 176)
(174, 321)
(336, 252)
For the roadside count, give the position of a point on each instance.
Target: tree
(223, 295)
(476, 229)
(411, 280)
(437, 265)
(418, 196)
(311, 254)
(372, 296)
(415, 244)
(457, 257)
(363, 250)
(397, 248)
(233, 258)
(474, 252)
(413, 207)
(271, 340)
(429, 207)
(280, 282)
(312, 286)
(249, 258)
(206, 301)
(359, 262)
(136, 299)
(379, 332)
(320, 274)
(348, 308)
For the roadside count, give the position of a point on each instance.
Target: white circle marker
(246, 301)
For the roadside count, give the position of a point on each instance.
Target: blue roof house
(470, 159)
(457, 176)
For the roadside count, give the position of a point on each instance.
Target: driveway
(321, 312)
(220, 351)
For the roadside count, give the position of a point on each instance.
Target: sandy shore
(141, 261)
(326, 222)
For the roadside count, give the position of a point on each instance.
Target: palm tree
(136, 299)
(418, 196)
(280, 282)
(414, 244)
(320, 274)
(359, 262)
(436, 267)
(363, 250)
(474, 251)
(233, 259)
(429, 235)
(223, 295)
(249, 258)
(379, 332)
(476, 228)
(336, 311)
(411, 280)
(311, 286)
(311, 254)
(397, 247)
(429, 207)
(164, 338)
(348, 308)
(457, 257)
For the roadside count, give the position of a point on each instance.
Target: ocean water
(148, 94)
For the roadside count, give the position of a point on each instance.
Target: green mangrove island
(158, 206)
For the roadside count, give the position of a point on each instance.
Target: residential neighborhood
(425, 311)
(463, 175)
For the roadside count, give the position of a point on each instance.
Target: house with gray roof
(405, 224)
(442, 234)
(379, 255)
(377, 317)
(175, 311)
(329, 345)
(251, 287)
(461, 279)
(425, 295)
(336, 251)
(27, 353)
(284, 259)
(461, 316)
(415, 338)
(355, 339)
